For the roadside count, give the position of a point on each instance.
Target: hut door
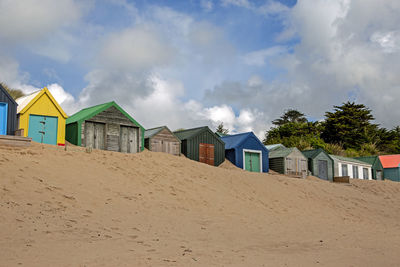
(43, 129)
(3, 118)
(252, 161)
(378, 175)
(323, 169)
(94, 135)
(128, 139)
(206, 153)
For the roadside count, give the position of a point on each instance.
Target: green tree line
(349, 130)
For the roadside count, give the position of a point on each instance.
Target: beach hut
(106, 126)
(391, 167)
(41, 118)
(353, 168)
(8, 113)
(320, 164)
(377, 168)
(246, 151)
(289, 161)
(161, 139)
(202, 145)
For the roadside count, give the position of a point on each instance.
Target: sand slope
(72, 208)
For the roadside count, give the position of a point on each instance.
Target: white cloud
(135, 49)
(31, 20)
(258, 58)
(207, 5)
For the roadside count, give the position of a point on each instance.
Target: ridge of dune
(73, 208)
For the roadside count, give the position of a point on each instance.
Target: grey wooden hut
(106, 126)
(161, 139)
(8, 113)
(289, 161)
(320, 164)
(202, 145)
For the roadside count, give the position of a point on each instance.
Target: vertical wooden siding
(11, 113)
(193, 144)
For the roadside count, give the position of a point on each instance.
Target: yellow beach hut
(41, 118)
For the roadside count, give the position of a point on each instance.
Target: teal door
(252, 161)
(3, 118)
(43, 129)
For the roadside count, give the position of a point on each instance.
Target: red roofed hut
(391, 167)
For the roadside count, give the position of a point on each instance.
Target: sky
(192, 63)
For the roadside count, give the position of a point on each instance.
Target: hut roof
(368, 159)
(312, 153)
(282, 152)
(190, 133)
(7, 94)
(340, 158)
(235, 140)
(390, 161)
(153, 131)
(274, 147)
(25, 102)
(87, 113)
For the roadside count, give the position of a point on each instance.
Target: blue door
(3, 118)
(43, 129)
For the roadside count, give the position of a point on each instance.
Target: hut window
(344, 170)
(355, 172)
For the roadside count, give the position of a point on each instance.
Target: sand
(72, 208)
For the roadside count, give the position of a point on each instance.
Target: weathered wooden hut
(202, 145)
(8, 113)
(320, 164)
(289, 161)
(246, 151)
(41, 118)
(105, 126)
(377, 168)
(353, 168)
(161, 139)
(391, 167)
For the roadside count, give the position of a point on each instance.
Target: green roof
(87, 113)
(312, 153)
(348, 159)
(281, 152)
(368, 159)
(190, 133)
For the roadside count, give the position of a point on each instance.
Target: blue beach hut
(246, 151)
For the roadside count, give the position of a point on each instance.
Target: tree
(349, 125)
(14, 93)
(292, 129)
(290, 115)
(221, 130)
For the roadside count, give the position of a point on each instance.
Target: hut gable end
(113, 116)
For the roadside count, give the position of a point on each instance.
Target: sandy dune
(72, 208)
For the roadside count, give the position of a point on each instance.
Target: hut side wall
(71, 131)
(392, 174)
(230, 155)
(277, 164)
(11, 112)
(192, 147)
